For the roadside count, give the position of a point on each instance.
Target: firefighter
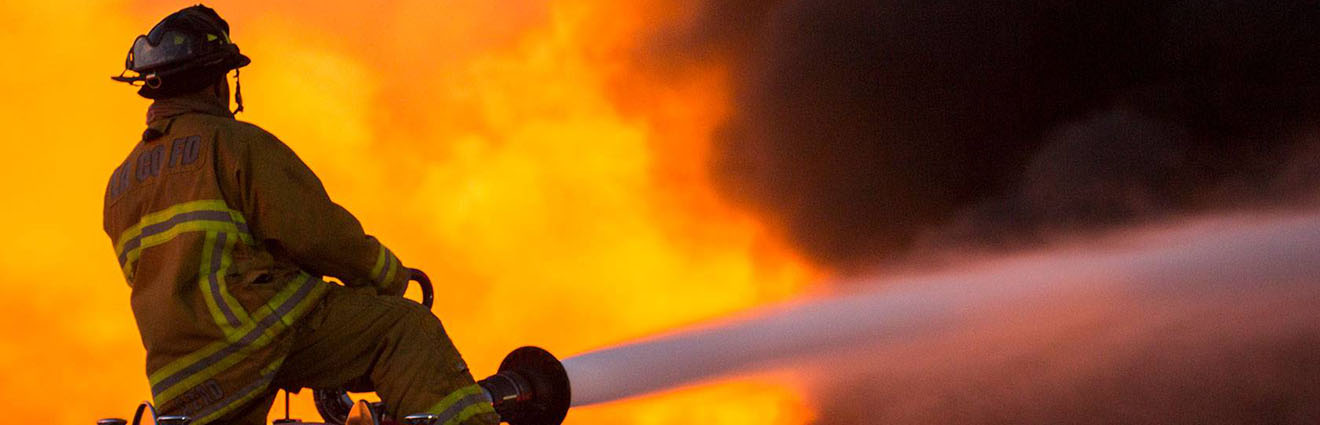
(224, 236)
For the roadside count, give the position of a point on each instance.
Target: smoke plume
(869, 129)
(878, 133)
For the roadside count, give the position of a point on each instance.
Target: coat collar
(199, 102)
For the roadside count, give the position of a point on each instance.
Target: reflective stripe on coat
(223, 234)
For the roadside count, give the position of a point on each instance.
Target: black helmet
(183, 53)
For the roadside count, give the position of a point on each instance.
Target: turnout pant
(397, 343)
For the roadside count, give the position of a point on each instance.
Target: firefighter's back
(164, 210)
(209, 300)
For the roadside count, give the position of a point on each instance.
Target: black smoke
(869, 128)
(879, 132)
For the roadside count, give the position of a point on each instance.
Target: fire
(556, 192)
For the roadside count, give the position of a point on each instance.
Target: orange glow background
(555, 190)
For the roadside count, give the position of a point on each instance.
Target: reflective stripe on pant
(251, 412)
(398, 343)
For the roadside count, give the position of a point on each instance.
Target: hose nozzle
(531, 388)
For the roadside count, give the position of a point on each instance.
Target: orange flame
(556, 192)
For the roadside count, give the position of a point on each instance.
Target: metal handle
(173, 420)
(424, 281)
(144, 407)
(421, 419)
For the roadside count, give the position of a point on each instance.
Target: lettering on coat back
(150, 162)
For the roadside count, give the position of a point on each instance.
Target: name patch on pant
(200, 397)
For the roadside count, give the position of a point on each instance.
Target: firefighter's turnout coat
(224, 235)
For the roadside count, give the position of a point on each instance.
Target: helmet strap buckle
(238, 92)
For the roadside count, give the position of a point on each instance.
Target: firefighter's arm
(290, 211)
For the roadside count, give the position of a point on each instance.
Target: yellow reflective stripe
(226, 300)
(470, 411)
(380, 262)
(184, 361)
(246, 394)
(229, 360)
(203, 285)
(166, 214)
(226, 260)
(462, 404)
(394, 267)
(387, 266)
(212, 215)
(167, 394)
(185, 227)
(454, 397)
(217, 367)
(211, 348)
(306, 304)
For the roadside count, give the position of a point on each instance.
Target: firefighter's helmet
(185, 52)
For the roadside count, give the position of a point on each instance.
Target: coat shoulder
(244, 136)
(245, 131)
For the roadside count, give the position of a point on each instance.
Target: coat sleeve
(293, 216)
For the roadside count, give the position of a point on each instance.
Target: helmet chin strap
(238, 92)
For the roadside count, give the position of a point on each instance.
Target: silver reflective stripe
(243, 395)
(450, 414)
(247, 340)
(162, 227)
(385, 269)
(217, 254)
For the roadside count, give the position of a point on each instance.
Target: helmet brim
(240, 60)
